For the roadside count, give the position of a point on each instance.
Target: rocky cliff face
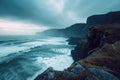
(95, 59)
(103, 62)
(97, 37)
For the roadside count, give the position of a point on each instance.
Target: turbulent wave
(24, 60)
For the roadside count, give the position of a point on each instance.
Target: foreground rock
(78, 72)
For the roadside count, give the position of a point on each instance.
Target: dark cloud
(55, 13)
(28, 10)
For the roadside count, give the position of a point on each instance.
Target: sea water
(26, 58)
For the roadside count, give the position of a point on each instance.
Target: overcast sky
(43, 14)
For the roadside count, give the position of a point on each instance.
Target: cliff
(74, 30)
(81, 29)
(104, 48)
(96, 57)
(98, 36)
(105, 23)
(102, 63)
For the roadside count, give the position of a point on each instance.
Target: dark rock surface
(77, 72)
(104, 48)
(80, 51)
(98, 36)
(75, 40)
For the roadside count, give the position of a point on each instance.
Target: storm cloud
(55, 13)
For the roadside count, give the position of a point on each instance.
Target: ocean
(24, 59)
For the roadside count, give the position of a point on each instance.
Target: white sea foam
(4, 51)
(66, 51)
(10, 49)
(58, 62)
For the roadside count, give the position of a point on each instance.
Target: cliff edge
(96, 58)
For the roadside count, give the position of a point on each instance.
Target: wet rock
(102, 74)
(47, 75)
(77, 72)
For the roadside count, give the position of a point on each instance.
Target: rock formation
(97, 57)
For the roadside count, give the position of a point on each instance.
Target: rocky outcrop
(108, 33)
(77, 72)
(75, 40)
(80, 51)
(98, 36)
(82, 47)
(106, 57)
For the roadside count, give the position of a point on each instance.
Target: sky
(26, 17)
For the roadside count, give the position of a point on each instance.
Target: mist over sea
(23, 58)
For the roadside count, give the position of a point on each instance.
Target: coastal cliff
(96, 57)
(73, 30)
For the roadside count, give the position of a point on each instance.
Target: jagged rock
(77, 72)
(49, 74)
(98, 36)
(109, 32)
(106, 57)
